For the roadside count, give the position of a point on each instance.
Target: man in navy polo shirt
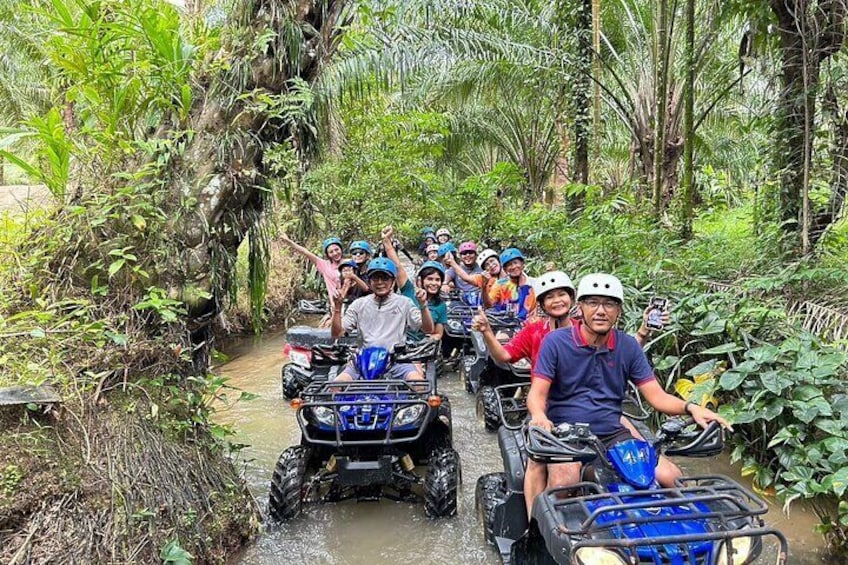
(581, 375)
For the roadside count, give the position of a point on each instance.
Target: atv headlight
(598, 556)
(324, 415)
(408, 415)
(522, 364)
(455, 325)
(739, 547)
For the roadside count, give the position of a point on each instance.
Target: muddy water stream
(387, 532)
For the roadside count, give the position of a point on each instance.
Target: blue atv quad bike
(618, 514)
(364, 439)
(461, 307)
(482, 374)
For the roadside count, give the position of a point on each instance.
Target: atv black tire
(286, 497)
(491, 491)
(291, 387)
(487, 408)
(441, 485)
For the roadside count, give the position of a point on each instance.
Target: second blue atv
(365, 439)
(618, 514)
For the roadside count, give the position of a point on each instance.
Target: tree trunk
(661, 105)
(839, 174)
(222, 172)
(582, 98)
(689, 124)
(805, 41)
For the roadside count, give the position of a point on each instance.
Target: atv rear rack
(512, 404)
(401, 394)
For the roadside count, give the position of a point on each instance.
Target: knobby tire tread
(441, 484)
(285, 499)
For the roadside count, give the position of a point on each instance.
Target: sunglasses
(468, 253)
(358, 252)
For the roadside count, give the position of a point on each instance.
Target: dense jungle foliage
(512, 122)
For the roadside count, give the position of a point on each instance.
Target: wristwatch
(686, 407)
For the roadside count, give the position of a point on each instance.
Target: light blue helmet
(383, 265)
(362, 246)
(446, 248)
(331, 241)
(432, 265)
(509, 255)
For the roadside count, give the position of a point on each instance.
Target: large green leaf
(840, 481)
(775, 381)
(804, 393)
(721, 349)
(763, 354)
(711, 326)
(731, 380)
(666, 362)
(701, 368)
(833, 427)
(773, 410)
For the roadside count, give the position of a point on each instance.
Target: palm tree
(502, 65)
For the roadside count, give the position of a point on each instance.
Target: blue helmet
(425, 231)
(446, 248)
(331, 241)
(361, 245)
(510, 254)
(382, 265)
(348, 263)
(433, 265)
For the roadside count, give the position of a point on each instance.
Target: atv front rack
(597, 518)
(400, 394)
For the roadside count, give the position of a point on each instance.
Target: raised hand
(387, 234)
(421, 296)
(338, 298)
(480, 322)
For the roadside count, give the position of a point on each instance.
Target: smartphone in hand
(657, 307)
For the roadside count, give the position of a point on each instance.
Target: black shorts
(616, 437)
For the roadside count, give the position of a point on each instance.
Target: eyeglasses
(358, 252)
(594, 304)
(468, 253)
(380, 276)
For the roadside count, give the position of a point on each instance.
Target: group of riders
(581, 363)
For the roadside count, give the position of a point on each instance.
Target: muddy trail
(387, 532)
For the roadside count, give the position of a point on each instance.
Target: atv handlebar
(564, 444)
(673, 439)
(576, 443)
(338, 353)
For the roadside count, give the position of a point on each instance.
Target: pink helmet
(467, 246)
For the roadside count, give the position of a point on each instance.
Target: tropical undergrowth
(131, 467)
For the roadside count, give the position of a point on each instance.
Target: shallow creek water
(385, 532)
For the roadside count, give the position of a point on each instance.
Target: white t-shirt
(383, 324)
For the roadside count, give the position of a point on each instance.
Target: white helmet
(485, 255)
(600, 284)
(551, 281)
(433, 247)
(443, 231)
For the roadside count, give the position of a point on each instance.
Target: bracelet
(643, 335)
(686, 407)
